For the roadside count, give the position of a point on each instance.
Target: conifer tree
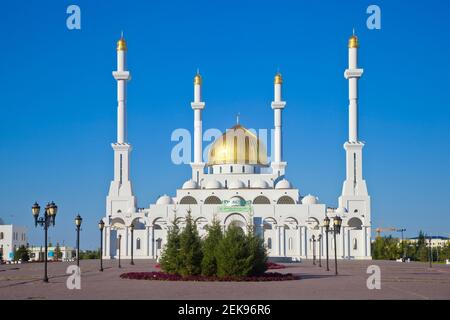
(170, 262)
(210, 244)
(257, 252)
(233, 254)
(190, 249)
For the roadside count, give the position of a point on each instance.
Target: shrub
(21, 254)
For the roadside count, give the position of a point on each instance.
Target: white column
(106, 242)
(126, 241)
(305, 242)
(277, 240)
(352, 74)
(299, 241)
(147, 241)
(283, 243)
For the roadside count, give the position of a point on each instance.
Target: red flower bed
(161, 276)
(273, 265)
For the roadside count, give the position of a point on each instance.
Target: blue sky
(58, 102)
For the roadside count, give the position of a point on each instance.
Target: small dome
(341, 211)
(165, 199)
(283, 184)
(198, 79)
(278, 79)
(353, 42)
(236, 184)
(213, 184)
(190, 184)
(259, 184)
(121, 44)
(309, 199)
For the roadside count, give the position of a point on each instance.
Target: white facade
(238, 185)
(38, 253)
(11, 238)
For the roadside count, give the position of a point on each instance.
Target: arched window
(285, 200)
(355, 223)
(188, 200)
(269, 243)
(138, 244)
(261, 200)
(1, 235)
(212, 200)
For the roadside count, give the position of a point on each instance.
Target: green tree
(233, 254)
(257, 250)
(22, 254)
(170, 256)
(190, 254)
(210, 244)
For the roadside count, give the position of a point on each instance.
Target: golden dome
(121, 45)
(353, 42)
(237, 146)
(198, 79)
(278, 79)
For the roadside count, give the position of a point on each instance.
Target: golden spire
(198, 78)
(353, 41)
(121, 44)
(278, 78)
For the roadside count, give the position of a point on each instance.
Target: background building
(12, 237)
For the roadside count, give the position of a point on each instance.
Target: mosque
(238, 185)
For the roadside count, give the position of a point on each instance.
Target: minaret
(197, 105)
(355, 200)
(278, 166)
(121, 198)
(354, 184)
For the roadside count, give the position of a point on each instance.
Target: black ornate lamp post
(48, 219)
(78, 221)
(120, 241)
(326, 223)
(101, 226)
(337, 222)
(319, 240)
(132, 243)
(313, 241)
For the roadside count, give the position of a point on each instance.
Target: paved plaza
(398, 281)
